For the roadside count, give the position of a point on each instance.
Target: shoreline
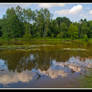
(33, 43)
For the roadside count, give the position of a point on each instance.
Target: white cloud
(62, 12)
(9, 5)
(90, 12)
(74, 10)
(27, 5)
(49, 5)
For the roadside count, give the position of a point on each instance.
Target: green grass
(4, 43)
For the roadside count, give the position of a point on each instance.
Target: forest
(28, 24)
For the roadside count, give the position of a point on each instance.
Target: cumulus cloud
(62, 12)
(25, 5)
(9, 5)
(49, 5)
(74, 10)
(90, 12)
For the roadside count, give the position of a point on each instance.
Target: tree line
(26, 23)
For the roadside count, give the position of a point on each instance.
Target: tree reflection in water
(25, 65)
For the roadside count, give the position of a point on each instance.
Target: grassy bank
(39, 41)
(22, 43)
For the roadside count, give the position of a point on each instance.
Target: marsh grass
(26, 44)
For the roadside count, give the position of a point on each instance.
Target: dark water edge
(47, 66)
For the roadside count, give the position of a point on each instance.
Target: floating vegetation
(35, 49)
(24, 47)
(75, 49)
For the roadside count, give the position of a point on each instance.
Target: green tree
(60, 20)
(12, 26)
(83, 28)
(64, 30)
(43, 18)
(89, 33)
(53, 29)
(73, 31)
(28, 17)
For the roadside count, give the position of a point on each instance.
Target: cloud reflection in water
(56, 69)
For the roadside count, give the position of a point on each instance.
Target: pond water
(55, 66)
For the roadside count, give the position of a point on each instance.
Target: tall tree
(28, 15)
(83, 28)
(43, 19)
(73, 31)
(12, 26)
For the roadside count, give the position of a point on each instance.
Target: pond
(55, 66)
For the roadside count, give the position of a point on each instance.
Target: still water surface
(47, 67)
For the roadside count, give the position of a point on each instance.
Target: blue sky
(74, 11)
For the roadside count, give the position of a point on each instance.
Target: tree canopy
(26, 23)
